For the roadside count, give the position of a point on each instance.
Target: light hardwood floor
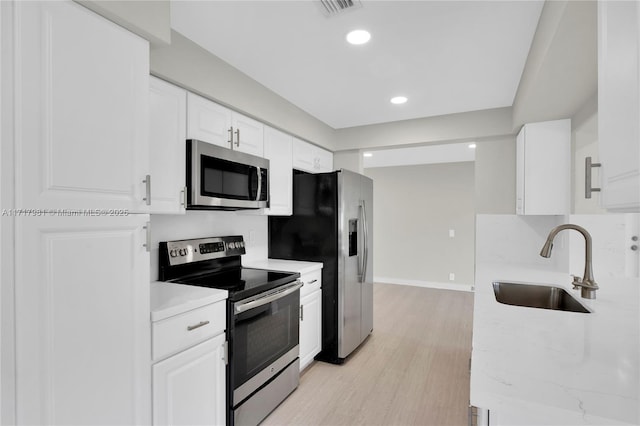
(412, 370)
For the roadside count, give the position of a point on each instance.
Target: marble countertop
(284, 265)
(537, 366)
(169, 299)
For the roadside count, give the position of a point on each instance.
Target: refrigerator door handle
(360, 249)
(365, 232)
(365, 226)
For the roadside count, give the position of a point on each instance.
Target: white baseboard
(426, 284)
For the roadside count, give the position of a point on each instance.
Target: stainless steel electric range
(262, 321)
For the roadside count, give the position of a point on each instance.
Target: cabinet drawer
(311, 281)
(179, 332)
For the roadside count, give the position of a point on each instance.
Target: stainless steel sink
(536, 296)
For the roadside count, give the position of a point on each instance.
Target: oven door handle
(245, 306)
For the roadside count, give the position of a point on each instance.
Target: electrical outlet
(452, 276)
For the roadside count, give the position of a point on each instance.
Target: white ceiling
(445, 56)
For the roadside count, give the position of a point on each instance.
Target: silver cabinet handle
(147, 182)
(147, 244)
(312, 281)
(184, 197)
(198, 325)
(588, 188)
(301, 312)
(230, 136)
(237, 137)
(225, 352)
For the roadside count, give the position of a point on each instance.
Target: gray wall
(560, 74)
(188, 65)
(414, 207)
(444, 128)
(495, 176)
(150, 19)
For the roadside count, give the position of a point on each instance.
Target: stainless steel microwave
(219, 178)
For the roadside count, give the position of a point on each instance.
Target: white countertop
(284, 265)
(169, 299)
(538, 366)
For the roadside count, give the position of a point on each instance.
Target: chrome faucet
(587, 284)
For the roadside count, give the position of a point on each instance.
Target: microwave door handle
(259, 175)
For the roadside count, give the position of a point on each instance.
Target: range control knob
(183, 252)
(173, 253)
(232, 245)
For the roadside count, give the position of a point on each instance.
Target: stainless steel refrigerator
(332, 222)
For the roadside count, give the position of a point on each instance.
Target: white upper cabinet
(310, 158)
(167, 135)
(277, 149)
(248, 135)
(619, 104)
(81, 108)
(543, 168)
(207, 121)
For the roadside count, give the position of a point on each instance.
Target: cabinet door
(189, 388)
(208, 121)
(520, 165)
(303, 156)
(167, 135)
(81, 104)
(248, 135)
(277, 149)
(82, 321)
(543, 157)
(619, 104)
(310, 327)
(323, 160)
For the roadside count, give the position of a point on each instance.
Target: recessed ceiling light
(368, 154)
(472, 145)
(399, 100)
(358, 37)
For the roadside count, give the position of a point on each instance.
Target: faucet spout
(588, 283)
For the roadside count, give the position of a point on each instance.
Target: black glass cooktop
(241, 282)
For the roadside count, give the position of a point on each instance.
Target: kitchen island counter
(537, 366)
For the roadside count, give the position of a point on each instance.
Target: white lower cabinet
(310, 317)
(189, 387)
(189, 351)
(82, 321)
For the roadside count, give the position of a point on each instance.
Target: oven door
(219, 178)
(264, 336)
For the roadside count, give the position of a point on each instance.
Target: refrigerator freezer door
(349, 286)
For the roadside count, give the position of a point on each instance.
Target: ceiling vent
(336, 7)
